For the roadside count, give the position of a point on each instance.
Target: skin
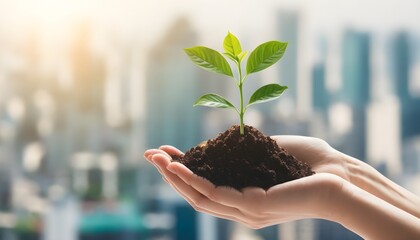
(323, 158)
(344, 190)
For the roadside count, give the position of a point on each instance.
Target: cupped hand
(317, 153)
(306, 197)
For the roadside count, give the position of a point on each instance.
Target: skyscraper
(356, 68)
(400, 66)
(400, 62)
(173, 84)
(356, 88)
(320, 96)
(288, 32)
(284, 112)
(88, 72)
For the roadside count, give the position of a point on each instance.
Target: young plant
(261, 58)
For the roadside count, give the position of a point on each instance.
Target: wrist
(369, 179)
(371, 217)
(354, 170)
(326, 206)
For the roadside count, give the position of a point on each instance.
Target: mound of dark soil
(251, 160)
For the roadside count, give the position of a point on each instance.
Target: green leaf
(242, 55)
(213, 100)
(232, 45)
(266, 93)
(265, 55)
(229, 55)
(209, 59)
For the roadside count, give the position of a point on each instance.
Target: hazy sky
(214, 17)
(143, 22)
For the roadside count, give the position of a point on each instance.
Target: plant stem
(241, 114)
(242, 111)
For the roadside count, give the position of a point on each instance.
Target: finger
(285, 194)
(224, 195)
(292, 144)
(210, 207)
(301, 147)
(161, 161)
(194, 197)
(148, 154)
(306, 149)
(163, 152)
(171, 150)
(251, 201)
(299, 197)
(255, 199)
(201, 202)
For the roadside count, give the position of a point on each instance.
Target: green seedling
(261, 58)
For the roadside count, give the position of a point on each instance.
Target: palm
(316, 152)
(252, 206)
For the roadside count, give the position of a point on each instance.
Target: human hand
(325, 159)
(367, 203)
(317, 153)
(307, 197)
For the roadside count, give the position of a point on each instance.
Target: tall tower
(410, 105)
(321, 99)
(320, 96)
(356, 68)
(284, 116)
(288, 66)
(172, 86)
(400, 61)
(356, 88)
(88, 73)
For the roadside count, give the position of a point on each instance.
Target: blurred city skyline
(86, 87)
(130, 18)
(53, 23)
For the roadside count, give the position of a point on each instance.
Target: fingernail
(149, 153)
